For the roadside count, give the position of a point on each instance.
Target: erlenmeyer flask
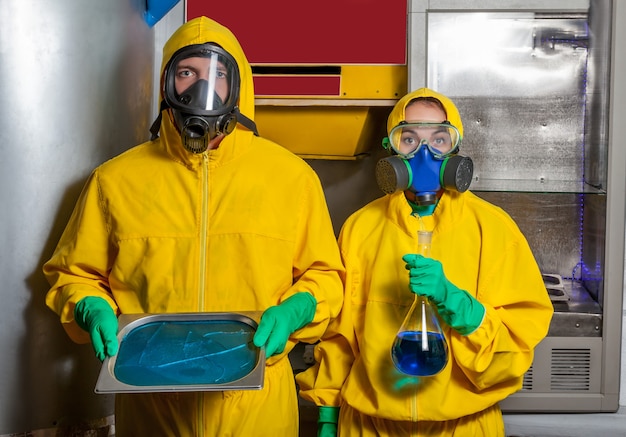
(420, 348)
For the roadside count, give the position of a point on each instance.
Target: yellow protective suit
(483, 252)
(239, 228)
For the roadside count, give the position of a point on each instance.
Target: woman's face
(437, 137)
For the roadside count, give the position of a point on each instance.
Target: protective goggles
(442, 139)
(202, 79)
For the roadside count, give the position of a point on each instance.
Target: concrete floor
(567, 425)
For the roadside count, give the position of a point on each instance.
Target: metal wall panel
(75, 89)
(533, 82)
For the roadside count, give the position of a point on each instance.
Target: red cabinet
(313, 62)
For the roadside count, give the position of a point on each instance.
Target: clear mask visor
(442, 139)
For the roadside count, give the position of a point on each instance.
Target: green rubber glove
(280, 321)
(456, 307)
(327, 421)
(95, 315)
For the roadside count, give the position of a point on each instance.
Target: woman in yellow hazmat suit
(206, 217)
(482, 278)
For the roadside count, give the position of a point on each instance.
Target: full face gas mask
(424, 160)
(201, 85)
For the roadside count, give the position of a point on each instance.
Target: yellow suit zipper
(203, 232)
(204, 226)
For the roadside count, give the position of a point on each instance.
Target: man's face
(191, 70)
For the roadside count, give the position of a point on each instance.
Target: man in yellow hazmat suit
(205, 217)
(481, 278)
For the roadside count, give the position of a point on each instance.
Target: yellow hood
(397, 113)
(199, 31)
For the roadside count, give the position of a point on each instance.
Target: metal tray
(184, 352)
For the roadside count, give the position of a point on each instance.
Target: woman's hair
(429, 101)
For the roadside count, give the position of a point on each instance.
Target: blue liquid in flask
(412, 357)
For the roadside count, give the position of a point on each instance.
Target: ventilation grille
(527, 384)
(571, 370)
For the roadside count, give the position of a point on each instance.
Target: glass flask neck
(424, 241)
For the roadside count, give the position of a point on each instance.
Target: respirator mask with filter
(424, 161)
(201, 86)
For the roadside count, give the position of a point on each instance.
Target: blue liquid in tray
(409, 358)
(168, 353)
